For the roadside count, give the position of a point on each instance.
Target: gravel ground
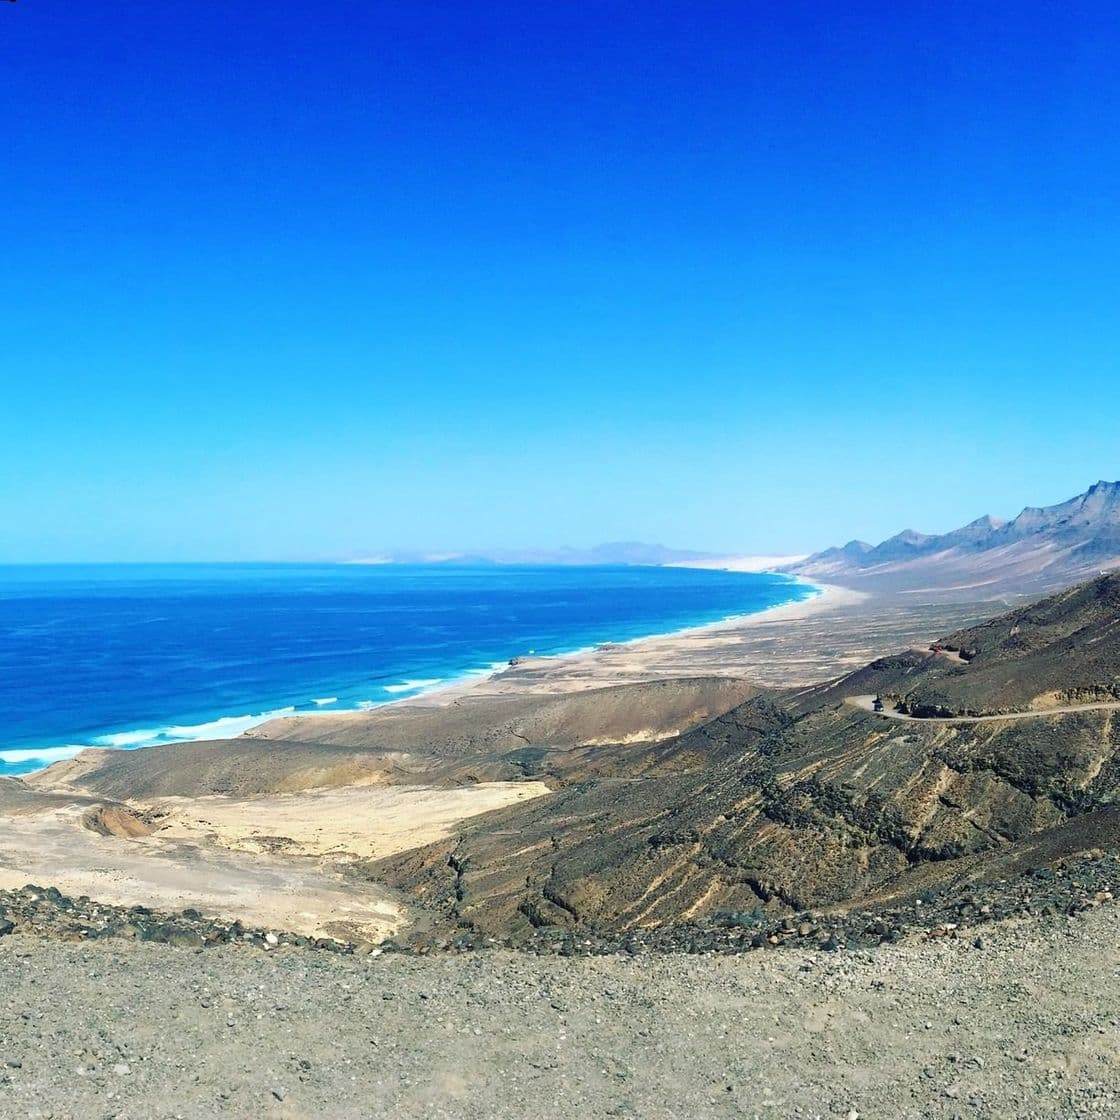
(1027, 1025)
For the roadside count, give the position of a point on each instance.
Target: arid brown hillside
(474, 724)
(1064, 650)
(401, 742)
(787, 803)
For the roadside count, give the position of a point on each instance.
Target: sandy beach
(791, 644)
(272, 860)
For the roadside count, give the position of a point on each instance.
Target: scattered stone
(1075, 886)
(46, 912)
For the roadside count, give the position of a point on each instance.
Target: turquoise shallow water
(138, 655)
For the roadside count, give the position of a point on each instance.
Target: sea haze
(138, 655)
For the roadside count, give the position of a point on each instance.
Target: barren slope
(796, 802)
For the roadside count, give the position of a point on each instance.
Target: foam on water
(44, 756)
(412, 686)
(224, 727)
(24, 760)
(122, 740)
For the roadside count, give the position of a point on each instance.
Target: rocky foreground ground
(1025, 1025)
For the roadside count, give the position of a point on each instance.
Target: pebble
(708, 1024)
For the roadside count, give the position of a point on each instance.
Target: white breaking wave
(225, 727)
(40, 754)
(484, 673)
(124, 739)
(413, 686)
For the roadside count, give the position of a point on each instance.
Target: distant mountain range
(618, 552)
(1041, 549)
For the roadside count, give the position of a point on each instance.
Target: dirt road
(867, 703)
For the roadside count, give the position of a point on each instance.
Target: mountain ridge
(1042, 548)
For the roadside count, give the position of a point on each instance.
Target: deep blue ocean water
(138, 655)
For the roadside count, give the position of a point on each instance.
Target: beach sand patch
(56, 848)
(355, 823)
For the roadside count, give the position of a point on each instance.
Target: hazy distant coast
(743, 563)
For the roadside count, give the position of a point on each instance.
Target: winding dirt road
(867, 703)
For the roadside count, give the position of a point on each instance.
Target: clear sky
(302, 280)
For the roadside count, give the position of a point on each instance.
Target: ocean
(141, 655)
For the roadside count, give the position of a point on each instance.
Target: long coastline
(777, 646)
(689, 651)
(569, 670)
(815, 638)
(699, 650)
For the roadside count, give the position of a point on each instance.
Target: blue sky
(306, 280)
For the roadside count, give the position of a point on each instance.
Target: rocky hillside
(396, 742)
(797, 801)
(1064, 650)
(1041, 549)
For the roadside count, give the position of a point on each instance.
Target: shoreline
(826, 597)
(648, 659)
(475, 682)
(448, 690)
